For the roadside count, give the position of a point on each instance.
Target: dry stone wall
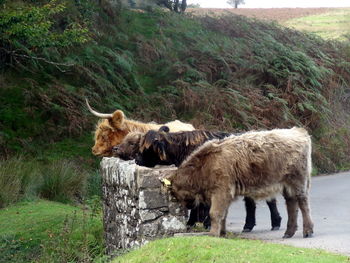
(136, 207)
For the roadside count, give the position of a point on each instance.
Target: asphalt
(330, 210)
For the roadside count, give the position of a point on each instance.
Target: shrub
(17, 180)
(59, 180)
(63, 181)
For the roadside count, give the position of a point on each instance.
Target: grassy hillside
(329, 25)
(209, 249)
(230, 73)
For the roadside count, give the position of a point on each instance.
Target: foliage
(229, 73)
(17, 180)
(173, 5)
(210, 249)
(26, 29)
(49, 232)
(194, 5)
(63, 181)
(58, 180)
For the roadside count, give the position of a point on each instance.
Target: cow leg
(206, 221)
(292, 210)
(223, 225)
(250, 208)
(218, 210)
(275, 215)
(308, 225)
(193, 217)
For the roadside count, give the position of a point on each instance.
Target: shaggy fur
(161, 148)
(110, 132)
(172, 148)
(255, 164)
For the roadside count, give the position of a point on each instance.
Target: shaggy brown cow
(161, 148)
(112, 129)
(255, 164)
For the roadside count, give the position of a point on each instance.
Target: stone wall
(136, 207)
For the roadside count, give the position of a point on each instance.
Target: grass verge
(44, 231)
(209, 249)
(330, 25)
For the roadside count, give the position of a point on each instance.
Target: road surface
(330, 210)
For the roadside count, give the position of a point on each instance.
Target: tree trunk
(176, 6)
(183, 6)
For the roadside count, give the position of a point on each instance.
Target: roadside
(330, 208)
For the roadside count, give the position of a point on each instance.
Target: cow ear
(164, 128)
(117, 120)
(160, 147)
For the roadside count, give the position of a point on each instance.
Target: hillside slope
(229, 73)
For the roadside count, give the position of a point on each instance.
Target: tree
(235, 3)
(194, 6)
(173, 5)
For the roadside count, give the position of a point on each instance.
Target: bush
(59, 180)
(17, 180)
(63, 181)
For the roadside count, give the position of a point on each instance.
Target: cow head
(153, 141)
(184, 195)
(110, 131)
(130, 146)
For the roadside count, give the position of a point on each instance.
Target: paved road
(330, 209)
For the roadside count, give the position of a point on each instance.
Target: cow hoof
(308, 234)
(286, 235)
(247, 230)
(274, 228)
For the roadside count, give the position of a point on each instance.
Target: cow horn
(101, 115)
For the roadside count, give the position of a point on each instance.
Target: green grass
(209, 249)
(39, 231)
(330, 25)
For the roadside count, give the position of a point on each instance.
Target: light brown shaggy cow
(255, 164)
(111, 130)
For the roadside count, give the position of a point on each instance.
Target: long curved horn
(101, 115)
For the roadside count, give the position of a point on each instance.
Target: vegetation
(59, 180)
(209, 249)
(228, 73)
(46, 231)
(330, 25)
(235, 3)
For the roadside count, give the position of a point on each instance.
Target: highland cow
(112, 129)
(255, 164)
(161, 148)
